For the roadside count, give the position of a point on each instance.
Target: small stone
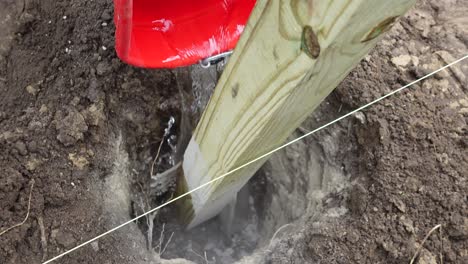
(35, 125)
(407, 224)
(95, 246)
(78, 161)
(106, 16)
(102, 68)
(75, 101)
(402, 60)
(90, 152)
(94, 115)
(21, 147)
(443, 158)
(65, 239)
(360, 116)
(390, 248)
(353, 236)
(43, 109)
(399, 204)
(32, 164)
(31, 90)
(71, 128)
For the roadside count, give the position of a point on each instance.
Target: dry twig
(27, 214)
(441, 246)
(167, 244)
(167, 131)
(416, 254)
(161, 238)
(40, 222)
(150, 223)
(277, 231)
(157, 156)
(200, 256)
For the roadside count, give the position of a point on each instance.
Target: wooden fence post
(292, 54)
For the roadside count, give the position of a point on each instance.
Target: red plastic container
(173, 33)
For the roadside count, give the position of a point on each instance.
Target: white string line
(253, 161)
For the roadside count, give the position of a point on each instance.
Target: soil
(79, 130)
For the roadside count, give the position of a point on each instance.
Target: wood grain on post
(292, 54)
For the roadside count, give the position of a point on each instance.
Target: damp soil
(79, 131)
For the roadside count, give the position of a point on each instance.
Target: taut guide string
(254, 160)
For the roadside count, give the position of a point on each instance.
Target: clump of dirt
(87, 128)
